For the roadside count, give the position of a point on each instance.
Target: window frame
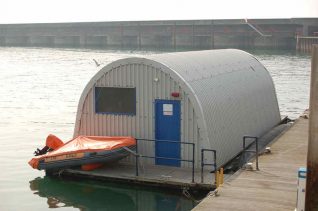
(116, 113)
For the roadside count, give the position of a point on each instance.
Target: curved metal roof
(198, 65)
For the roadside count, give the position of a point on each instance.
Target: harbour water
(40, 89)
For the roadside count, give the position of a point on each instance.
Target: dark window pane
(115, 100)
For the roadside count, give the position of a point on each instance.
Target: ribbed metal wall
(225, 94)
(235, 91)
(141, 125)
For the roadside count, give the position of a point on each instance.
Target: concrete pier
(274, 187)
(170, 34)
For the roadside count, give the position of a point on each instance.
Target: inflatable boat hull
(85, 150)
(78, 159)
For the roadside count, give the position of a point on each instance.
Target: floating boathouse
(208, 98)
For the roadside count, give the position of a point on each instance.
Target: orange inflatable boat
(87, 151)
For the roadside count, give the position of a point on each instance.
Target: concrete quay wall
(196, 34)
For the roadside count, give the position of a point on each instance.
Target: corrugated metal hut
(210, 98)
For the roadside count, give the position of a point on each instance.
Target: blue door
(167, 126)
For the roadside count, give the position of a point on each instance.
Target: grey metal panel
(235, 91)
(225, 94)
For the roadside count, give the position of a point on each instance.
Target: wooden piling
(311, 202)
(305, 44)
(297, 43)
(221, 176)
(217, 179)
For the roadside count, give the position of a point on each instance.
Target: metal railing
(207, 164)
(137, 155)
(245, 148)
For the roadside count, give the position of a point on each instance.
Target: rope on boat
(141, 163)
(131, 151)
(185, 192)
(60, 172)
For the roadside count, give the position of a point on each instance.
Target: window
(115, 100)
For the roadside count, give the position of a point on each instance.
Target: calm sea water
(40, 89)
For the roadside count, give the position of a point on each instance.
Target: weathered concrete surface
(274, 187)
(173, 34)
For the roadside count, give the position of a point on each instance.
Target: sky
(49, 11)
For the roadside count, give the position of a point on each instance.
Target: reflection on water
(98, 196)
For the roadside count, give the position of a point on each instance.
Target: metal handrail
(137, 155)
(207, 164)
(245, 148)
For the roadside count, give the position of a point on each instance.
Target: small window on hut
(115, 100)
